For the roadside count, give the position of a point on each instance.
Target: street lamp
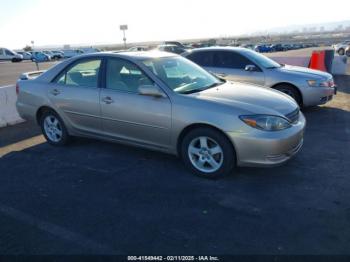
(124, 28)
(32, 44)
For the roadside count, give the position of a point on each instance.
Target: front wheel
(291, 91)
(54, 129)
(208, 153)
(341, 51)
(347, 53)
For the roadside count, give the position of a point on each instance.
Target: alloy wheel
(205, 154)
(53, 128)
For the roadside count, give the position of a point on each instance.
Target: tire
(196, 153)
(291, 91)
(341, 51)
(347, 53)
(55, 132)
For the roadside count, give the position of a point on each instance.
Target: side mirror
(250, 68)
(151, 90)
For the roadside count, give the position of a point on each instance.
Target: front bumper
(268, 148)
(313, 96)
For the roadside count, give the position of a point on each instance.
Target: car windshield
(262, 60)
(181, 75)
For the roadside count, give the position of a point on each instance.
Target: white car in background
(26, 55)
(9, 55)
(340, 48)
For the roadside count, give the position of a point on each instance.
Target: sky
(74, 22)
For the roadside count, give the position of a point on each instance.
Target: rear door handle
(55, 92)
(108, 100)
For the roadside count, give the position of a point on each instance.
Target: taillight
(17, 88)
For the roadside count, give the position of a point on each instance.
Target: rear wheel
(208, 153)
(53, 128)
(291, 91)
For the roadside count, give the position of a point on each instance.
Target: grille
(293, 116)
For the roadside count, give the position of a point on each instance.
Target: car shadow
(17, 133)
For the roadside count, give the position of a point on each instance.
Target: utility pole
(124, 28)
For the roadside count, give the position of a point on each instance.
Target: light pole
(124, 28)
(32, 44)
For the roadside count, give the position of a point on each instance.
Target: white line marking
(7, 86)
(57, 231)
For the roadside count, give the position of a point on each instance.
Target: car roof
(139, 55)
(220, 48)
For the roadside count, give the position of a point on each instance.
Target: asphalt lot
(10, 72)
(94, 197)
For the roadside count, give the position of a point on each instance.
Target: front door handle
(108, 100)
(55, 92)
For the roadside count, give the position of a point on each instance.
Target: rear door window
(202, 58)
(84, 73)
(225, 59)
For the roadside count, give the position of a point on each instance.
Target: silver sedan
(164, 102)
(308, 87)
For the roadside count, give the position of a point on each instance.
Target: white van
(9, 55)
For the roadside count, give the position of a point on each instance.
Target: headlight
(315, 83)
(266, 122)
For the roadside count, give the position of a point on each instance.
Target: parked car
(53, 55)
(340, 47)
(262, 48)
(9, 55)
(25, 55)
(89, 50)
(277, 48)
(287, 47)
(49, 53)
(164, 102)
(172, 49)
(175, 43)
(72, 52)
(138, 48)
(38, 56)
(308, 87)
(297, 46)
(57, 54)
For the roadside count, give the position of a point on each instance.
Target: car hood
(249, 98)
(304, 72)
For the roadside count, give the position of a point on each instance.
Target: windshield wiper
(202, 89)
(213, 85)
